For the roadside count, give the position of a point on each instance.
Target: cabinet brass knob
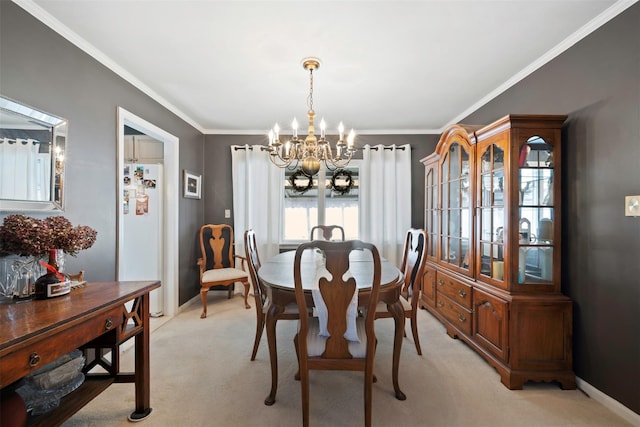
(462, 293)
(440, 303)
(441, 282)
(108, 324)
(462, 317)
(34, 359)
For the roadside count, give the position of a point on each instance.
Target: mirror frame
(59, 134)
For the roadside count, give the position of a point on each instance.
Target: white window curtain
(257, 195)
(24, 171)
(385, 198)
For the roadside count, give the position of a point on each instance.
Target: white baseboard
(609, 402)
(193, 300)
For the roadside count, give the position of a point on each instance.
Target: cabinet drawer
(456, 315)
(428, 297)
(40, 352)
(452, 288)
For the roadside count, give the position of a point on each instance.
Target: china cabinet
(492, 215)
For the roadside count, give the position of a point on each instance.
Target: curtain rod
(265, 148)
(249, 148)
(387, 148)
(23, 141)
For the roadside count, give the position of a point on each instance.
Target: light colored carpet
(201, 375)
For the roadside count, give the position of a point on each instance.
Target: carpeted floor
(201, 375)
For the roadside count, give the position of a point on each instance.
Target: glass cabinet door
(491, 212)
(455, 225)
(536, 212)
(431, 212)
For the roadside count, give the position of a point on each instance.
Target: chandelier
(310, 151)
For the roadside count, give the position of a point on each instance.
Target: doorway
(169, 225)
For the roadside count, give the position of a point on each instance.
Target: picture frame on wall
(192, 185)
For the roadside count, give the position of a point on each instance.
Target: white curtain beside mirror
(24, 171)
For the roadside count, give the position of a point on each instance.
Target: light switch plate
(632, 206)
(227, 213)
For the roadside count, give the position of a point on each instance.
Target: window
(303, 209)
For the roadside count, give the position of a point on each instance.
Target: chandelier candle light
(310, 151)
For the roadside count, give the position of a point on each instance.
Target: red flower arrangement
(28, 236)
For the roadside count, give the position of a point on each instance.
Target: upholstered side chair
(218, 263)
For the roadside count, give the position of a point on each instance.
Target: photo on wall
(192, 185)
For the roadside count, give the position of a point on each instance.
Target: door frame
(171, 203)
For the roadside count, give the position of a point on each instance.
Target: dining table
(276, 274)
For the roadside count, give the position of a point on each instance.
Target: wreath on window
(296, 177)
(341, 175)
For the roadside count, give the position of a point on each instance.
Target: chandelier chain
(310, 99)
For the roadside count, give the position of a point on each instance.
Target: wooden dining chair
(262, 303)
(412, 268)
(218, 263)
(326, 232)
(346, 341)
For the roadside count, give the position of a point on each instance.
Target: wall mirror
(32, 158)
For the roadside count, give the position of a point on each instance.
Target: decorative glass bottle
(54, 283)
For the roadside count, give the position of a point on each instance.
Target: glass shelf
(536, 212)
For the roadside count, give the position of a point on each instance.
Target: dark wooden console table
(93, 318)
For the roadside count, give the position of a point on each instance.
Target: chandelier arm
(278, 161)
(326, 153)
(341, 163)
(331, 167)
(295, 164)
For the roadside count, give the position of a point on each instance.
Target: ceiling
(388, 67)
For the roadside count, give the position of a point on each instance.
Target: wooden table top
(277, 272)
(21, 320)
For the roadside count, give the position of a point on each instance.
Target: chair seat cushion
(224, 274)
(316, 342)
(382, 306)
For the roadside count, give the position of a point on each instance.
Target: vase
(6, 278)
(21, 275)
(54, 283)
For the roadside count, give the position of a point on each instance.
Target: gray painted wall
(596, 82)
(42, 69)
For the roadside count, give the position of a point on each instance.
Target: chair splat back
(412, 264)
(337, 295)
(337, 290)
(327, 232)
(217, 246)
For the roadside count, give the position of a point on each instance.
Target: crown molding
(604, 17)
(53, 23)
(362, 132)
(46, 18)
